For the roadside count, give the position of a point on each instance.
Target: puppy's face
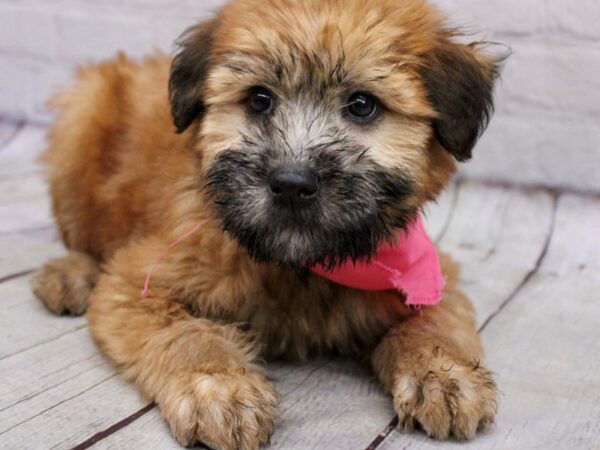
(323, 126)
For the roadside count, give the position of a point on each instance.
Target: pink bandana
(411, 266)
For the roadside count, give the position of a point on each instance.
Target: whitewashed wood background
(546, 131)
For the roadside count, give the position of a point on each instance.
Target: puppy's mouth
(300, 215)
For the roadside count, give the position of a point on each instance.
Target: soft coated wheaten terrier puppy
(307, 134)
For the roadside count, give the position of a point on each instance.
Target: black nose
(293, 186)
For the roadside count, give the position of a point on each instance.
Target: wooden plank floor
(531, 263)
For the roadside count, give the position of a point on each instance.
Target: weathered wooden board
(19, 156)
(148, 431)
(39, 370)
(437, 216)
(24, 204)
(60, 393)
(338, 405)
(7, 132)
(325, 404)
(19, 306)
(27, 234)
(544, 346)
(497, 234)
(21, 253)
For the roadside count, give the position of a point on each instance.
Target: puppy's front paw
(444, 396)
(65, 284)
(225, 411)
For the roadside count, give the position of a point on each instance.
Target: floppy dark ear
(188, 74)
(460, 81)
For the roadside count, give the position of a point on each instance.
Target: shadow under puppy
(309, 131)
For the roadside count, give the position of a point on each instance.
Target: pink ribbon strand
(165, 252)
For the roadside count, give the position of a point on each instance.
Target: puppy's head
(322, 125)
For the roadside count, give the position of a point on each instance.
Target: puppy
(363, 107)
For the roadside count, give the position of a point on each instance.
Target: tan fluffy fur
(124, 185)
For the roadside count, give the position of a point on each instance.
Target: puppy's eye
(362, 107)
(260, 100)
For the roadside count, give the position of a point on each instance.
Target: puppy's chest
(299, 315)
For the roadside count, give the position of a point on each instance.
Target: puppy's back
(112, 129)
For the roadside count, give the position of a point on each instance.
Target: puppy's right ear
(188, 73)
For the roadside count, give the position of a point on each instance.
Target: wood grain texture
(325, 404)
(60, 393)
(544, 346)
(19, 155)
(27, 233)
(497, 234)
(24, 204)
(7, 132)
(337, 405)
(437, 216)
(24, 252)
(19, 306)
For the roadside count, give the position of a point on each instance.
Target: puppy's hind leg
(65, 284)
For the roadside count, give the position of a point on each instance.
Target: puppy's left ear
(460, 82)
(189, 71)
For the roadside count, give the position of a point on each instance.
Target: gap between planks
(113, 428)
(89, 388)
(531, 273)
(14, 276)
(108, 431)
